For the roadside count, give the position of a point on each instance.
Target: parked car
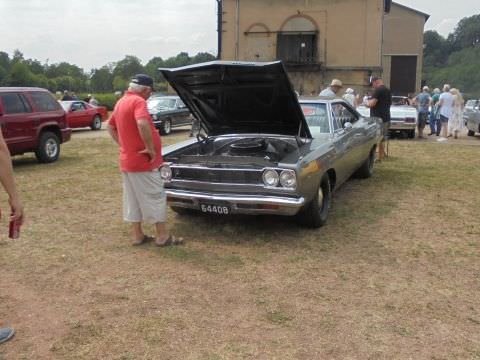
(168, 112)
(471, 115)
(33, 121)
(404, 117)
(82, 114)
(263, 151)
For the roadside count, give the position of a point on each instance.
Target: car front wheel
(48, 147)
(166, 127)
(315, 214)
(96, 123)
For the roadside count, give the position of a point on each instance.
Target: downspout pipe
(219, 28)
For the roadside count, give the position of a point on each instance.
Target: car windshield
(399, 100)
(317, 118)
(65, 105)
(159, 103)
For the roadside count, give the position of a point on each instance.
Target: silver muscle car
(403, 116)
(263, 150)
(471, 115)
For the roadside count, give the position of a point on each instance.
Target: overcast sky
(92, 33)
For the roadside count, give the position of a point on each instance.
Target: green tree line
(454, 60)
(18, 71)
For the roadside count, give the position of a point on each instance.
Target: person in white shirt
(332, 90)
(446, 107)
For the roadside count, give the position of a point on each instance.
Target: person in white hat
(333, 89)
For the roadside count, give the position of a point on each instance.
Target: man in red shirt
(144, 198)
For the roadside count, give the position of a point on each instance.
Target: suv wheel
(48, 147)
(96, 123)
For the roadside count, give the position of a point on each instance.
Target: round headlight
(288, 179)
(270, 178)
(166, 173)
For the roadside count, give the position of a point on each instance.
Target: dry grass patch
(394, 274)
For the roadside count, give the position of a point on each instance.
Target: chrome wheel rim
(97, 123)
(167, 126)
(320, 198)
(51, 148)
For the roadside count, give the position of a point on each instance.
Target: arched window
(297, 41)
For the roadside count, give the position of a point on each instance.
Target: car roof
(319, 99)
(8, 89)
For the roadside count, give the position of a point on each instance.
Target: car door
(77, 115)
(183, 113)
(18, 122)
(342, 143)
(353, 135)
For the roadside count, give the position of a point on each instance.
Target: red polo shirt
(128, 110)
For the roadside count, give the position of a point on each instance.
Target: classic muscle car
(262, 150)
(404, 116)
(471, 115)
(82, 114)
(168, 112)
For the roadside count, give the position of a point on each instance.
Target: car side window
(316, 117)
(78, 106)
(180, 104)
(342, 114)
(43, 101)
(14, 104)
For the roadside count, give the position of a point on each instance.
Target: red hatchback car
(81, 114)
(31, 120)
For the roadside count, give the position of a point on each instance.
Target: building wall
(348, 36)
(403, 35)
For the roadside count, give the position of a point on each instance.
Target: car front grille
(227, 176)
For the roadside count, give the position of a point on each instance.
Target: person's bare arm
(146, 135)
(8, 182)
(372, 102)
(113, 133)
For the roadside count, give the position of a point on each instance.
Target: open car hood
(240, 97)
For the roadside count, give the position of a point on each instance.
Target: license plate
(215, 209)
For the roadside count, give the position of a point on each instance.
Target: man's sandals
(171, 240)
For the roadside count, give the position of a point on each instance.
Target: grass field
(395, 274)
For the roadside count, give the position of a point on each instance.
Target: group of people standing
(443, 109)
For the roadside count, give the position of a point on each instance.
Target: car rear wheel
(471, 133)
(166, 127)
(48, 147)
(96, 123)
(366, 170)
(315, 214)
(411, 134)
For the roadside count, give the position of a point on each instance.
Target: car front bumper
(237, 204)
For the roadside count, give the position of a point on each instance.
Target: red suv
(33, 121)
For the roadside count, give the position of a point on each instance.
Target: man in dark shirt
(379, 105)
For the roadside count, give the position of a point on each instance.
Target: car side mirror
(348, 126)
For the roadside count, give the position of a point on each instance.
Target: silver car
(262, 150)
(471, 115)
(404, 117)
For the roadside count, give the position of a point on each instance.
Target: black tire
(411, 134)
(366, 170)
(166, 127)
(96, 123)
(471, 133)
(48, 147)
(315, 213)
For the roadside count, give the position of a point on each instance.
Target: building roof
(411, 9)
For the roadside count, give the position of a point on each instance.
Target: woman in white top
(350, 97)
(455, 122)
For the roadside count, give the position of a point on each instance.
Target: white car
(404, 117)
(471, 115)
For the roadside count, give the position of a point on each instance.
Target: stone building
(319, 40)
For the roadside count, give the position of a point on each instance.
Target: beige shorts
(386, 130)
(144, 198)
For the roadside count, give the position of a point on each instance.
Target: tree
(466, 33)
(102, 79)
(119, 83)
(128, 67)
(152, 68)
(20, 75)
(4, 61)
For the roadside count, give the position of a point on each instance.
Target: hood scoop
(249, 147)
